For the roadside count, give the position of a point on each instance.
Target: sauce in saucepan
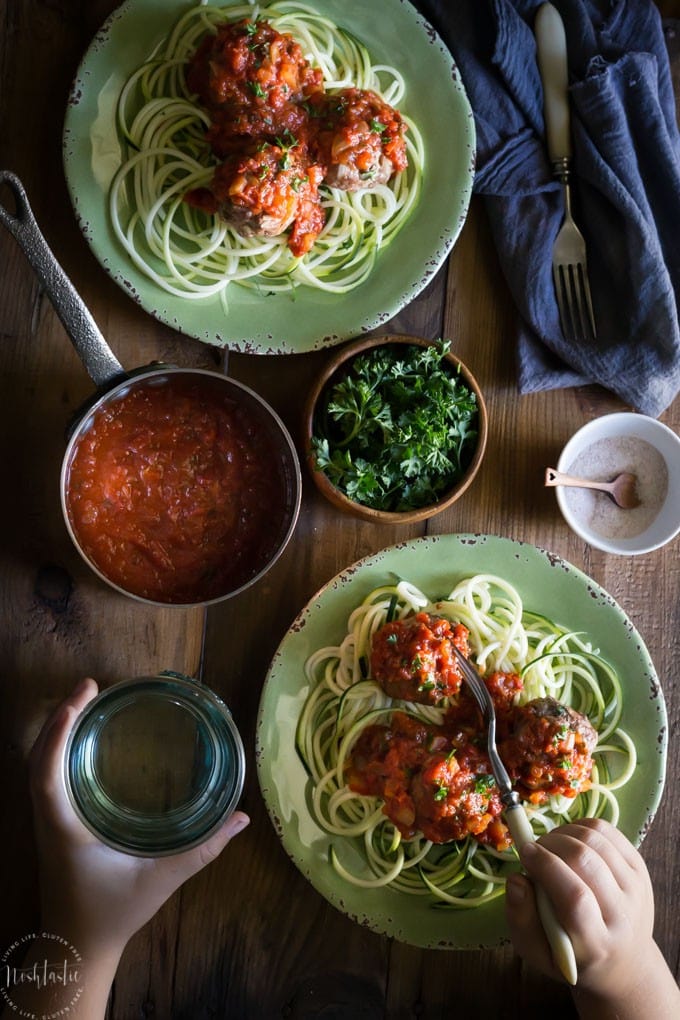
(176, 491)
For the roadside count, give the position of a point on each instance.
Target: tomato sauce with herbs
(170, 491)
(412, 659)
(547, 749)
(429, 782)
(437, 778)
(279, 135)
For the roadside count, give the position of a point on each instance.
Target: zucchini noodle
(195, 255)
(504, 636)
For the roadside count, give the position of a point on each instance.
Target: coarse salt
(603, 461)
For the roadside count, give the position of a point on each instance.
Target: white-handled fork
(517, 821)
(570, 270)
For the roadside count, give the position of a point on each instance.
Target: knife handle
(551, 44)
(560, 943)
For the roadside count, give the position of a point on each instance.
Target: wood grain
(249, 937)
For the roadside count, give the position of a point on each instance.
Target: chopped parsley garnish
(377, 125)
(398, 429)
(257, 89)
(560, 734)
(287, 140)
(484, 783)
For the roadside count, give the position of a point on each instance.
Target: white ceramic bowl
(603, 448)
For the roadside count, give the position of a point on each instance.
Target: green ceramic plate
(281, 324)
(545, 582)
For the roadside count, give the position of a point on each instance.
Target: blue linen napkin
(625, 185)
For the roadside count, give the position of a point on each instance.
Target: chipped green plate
(545, 583)
(281, 324)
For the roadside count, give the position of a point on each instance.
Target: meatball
(455, 796)
(254, 83)
(265, 192)
(252, 79)
(429, 783)
(359, 138)
(254, 198)
(413, 660)
(547, 749)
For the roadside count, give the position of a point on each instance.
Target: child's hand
(602, 895)
(100, 896)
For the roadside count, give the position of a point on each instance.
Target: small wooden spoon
(622, 489)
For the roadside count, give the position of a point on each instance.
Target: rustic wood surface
(249, 937)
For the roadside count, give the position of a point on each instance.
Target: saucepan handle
(98, 358)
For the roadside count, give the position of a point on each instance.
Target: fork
(517, 821)
(569, 265)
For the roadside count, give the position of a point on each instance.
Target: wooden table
(249, 937)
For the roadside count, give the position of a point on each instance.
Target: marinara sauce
(430, 782)
(436, 778)
(170, 492)
(412, 659)
(279, 135)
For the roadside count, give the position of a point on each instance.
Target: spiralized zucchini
(194, 255)
(504, 636)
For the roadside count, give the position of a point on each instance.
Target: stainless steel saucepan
(113, 383)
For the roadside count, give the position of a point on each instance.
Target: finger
(47, 757)
(598, 862)
(192, 861)
(48, 723)
(576, 906)
(215, 845)
(608, 831)
(526, 931)
(75, 698)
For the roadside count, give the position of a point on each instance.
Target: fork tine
(475, 683)
(578, 304)
(586, 303)
(562, 292)
(574, 301)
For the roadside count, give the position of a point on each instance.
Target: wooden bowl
(336, 365)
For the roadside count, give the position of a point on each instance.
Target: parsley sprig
(398, 429)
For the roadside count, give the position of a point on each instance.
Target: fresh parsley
(483, 784)
(398, 429)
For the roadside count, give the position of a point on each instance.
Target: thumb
(213, 847)
(526, 930)
(192, 861)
